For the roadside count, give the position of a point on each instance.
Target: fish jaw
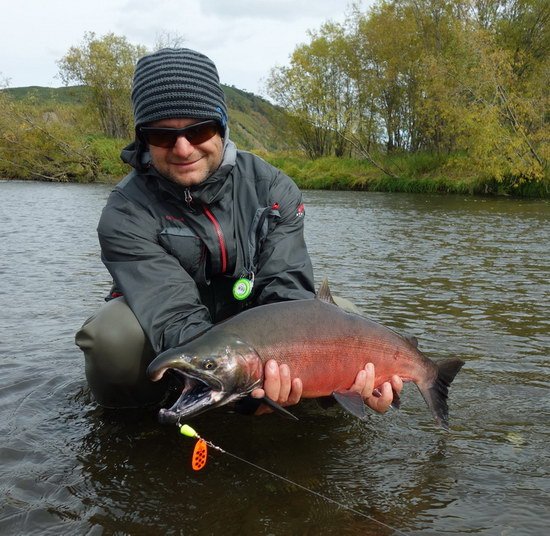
(216, 368)
(195, 398)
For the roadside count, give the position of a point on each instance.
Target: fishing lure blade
(200, 453)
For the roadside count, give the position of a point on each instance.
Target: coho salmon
(324, 345)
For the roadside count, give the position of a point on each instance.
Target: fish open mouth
(196, 397)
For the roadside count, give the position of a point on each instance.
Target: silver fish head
(216, 368)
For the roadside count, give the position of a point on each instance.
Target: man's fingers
(364, 381)
(284, 384)
(278, 386)
(369, 381)
(295, 392)
(377, 398)
(397, 384)
(272, 380)
(383, 402)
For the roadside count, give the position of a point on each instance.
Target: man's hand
(279, 386)
(381, 399)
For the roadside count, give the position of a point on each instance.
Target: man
(197, 232)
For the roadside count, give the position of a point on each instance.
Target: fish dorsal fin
(412, 340)
(324, 293)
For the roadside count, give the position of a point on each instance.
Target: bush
(106, 151)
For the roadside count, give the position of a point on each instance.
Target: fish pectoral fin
(278, 408)
(352, 402)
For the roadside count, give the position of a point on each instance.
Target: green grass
(419, 173)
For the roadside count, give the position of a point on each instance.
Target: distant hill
(50, 95)
(254, 122)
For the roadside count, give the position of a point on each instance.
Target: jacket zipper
(188, 197)
(221, 239)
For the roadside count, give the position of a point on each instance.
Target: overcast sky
(245, 38)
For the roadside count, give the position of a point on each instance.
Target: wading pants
(116, 353)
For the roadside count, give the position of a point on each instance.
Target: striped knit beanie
(177, 83)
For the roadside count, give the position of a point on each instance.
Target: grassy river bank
(419, 173)
(51, 135)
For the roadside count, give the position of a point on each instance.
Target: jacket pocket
(265, 220)
(183, 244)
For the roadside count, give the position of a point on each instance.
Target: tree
(106, 66)
(166, 39)
(388, 50)
(319, 92)
(504, 114)
(443, 76)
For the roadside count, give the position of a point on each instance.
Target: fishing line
(200, 463)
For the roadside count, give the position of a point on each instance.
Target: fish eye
(208, 364)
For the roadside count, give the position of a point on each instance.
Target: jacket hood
(208, 191)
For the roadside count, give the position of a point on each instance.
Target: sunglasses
(167, 137)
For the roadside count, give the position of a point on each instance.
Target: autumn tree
(319, 92)
(440, 76)
(105, 65)
(386, 44)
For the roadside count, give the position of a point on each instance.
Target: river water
(468, 276)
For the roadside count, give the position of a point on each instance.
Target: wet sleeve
(284, 270)
(161, 294)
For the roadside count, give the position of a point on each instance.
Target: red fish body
(326, 346)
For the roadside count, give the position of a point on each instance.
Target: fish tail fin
(436, 394)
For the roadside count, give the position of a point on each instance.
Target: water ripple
(469, 277)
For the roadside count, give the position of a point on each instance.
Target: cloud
(245, 38)
(277, 10)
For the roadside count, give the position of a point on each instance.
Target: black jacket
(175, 252)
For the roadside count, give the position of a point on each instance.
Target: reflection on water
(468, 276)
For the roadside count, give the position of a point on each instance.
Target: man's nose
(182, 147)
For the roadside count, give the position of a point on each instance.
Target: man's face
(186, 164)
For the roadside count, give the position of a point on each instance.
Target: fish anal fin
(351, 402)
(324, 293)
